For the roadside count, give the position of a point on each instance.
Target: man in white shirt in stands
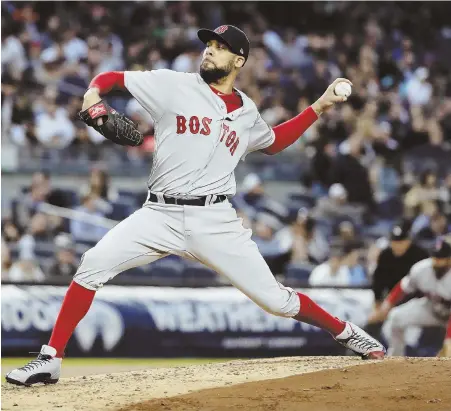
(329, 272)
(342, 269)
(54, 128)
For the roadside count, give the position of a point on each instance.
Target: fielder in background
(203, 128)
(431, 277)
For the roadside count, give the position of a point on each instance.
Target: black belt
(199, 201)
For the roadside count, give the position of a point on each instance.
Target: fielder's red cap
(232, 36)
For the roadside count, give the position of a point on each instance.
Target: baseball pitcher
(203, 127)
(432, 277)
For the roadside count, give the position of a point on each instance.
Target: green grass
(13, 362)
(153, 362)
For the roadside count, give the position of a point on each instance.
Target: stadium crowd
(379, 161)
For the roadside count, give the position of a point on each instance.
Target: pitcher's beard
(215, 74)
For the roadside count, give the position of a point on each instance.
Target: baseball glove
(115, 126)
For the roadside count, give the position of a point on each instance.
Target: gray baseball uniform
(198, 146)
(433, 309)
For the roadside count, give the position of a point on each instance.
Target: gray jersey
(197, 143)
(438, 291)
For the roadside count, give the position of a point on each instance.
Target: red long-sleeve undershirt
(448, 330)
(395, 295)
(106, 81)
(289, 132)
(285, 134)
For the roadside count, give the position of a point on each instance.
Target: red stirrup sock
(311, 313)
(76, 304)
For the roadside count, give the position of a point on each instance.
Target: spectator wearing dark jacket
(353, 175)
(65, 264)
(438, 227)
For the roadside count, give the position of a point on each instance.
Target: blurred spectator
(385, 180)
(10, 232)
(140, 116)
(75, 49)
(439, 226)
(14, 59)
(423, 218)
(6, 261)
(38, 230)
(427, 189)
(273, 242)
(351, 265)
(419, 90)
(395, 261)
(54, 128)
(86, 142)
(347, 234)
(251, 193)
(309, 244)
(83, 230)
(187, 62)
(66, 262)
(39, 192)
(100, 190)
(99, 185)
(348, 170)
(22, 122)
(335, 207)
(252, 199)
(447, 188)
(342, 269)
(26, 268)
(325, 153)
(329, 273)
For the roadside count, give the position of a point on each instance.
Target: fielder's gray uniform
(433, 309)
(198, 146)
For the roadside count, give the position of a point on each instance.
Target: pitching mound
(285, 384)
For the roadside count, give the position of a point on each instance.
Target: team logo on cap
(397, 231)
(221, 29)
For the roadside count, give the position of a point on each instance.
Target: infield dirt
(279, 384)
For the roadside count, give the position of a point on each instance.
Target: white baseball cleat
(361, 343)
(46, 369)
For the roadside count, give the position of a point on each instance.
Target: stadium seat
(136, 272)
(198, 273)
(307, 200)
(86, 243)
(128, 196)
(121, 210)
(171, 266)
(325, 226)
(391, 208)
(44, 253)
(380, 229)
(299, 272)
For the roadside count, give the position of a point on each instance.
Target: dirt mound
(388, 385)
(283, 384)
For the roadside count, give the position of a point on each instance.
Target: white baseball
(343, 89)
